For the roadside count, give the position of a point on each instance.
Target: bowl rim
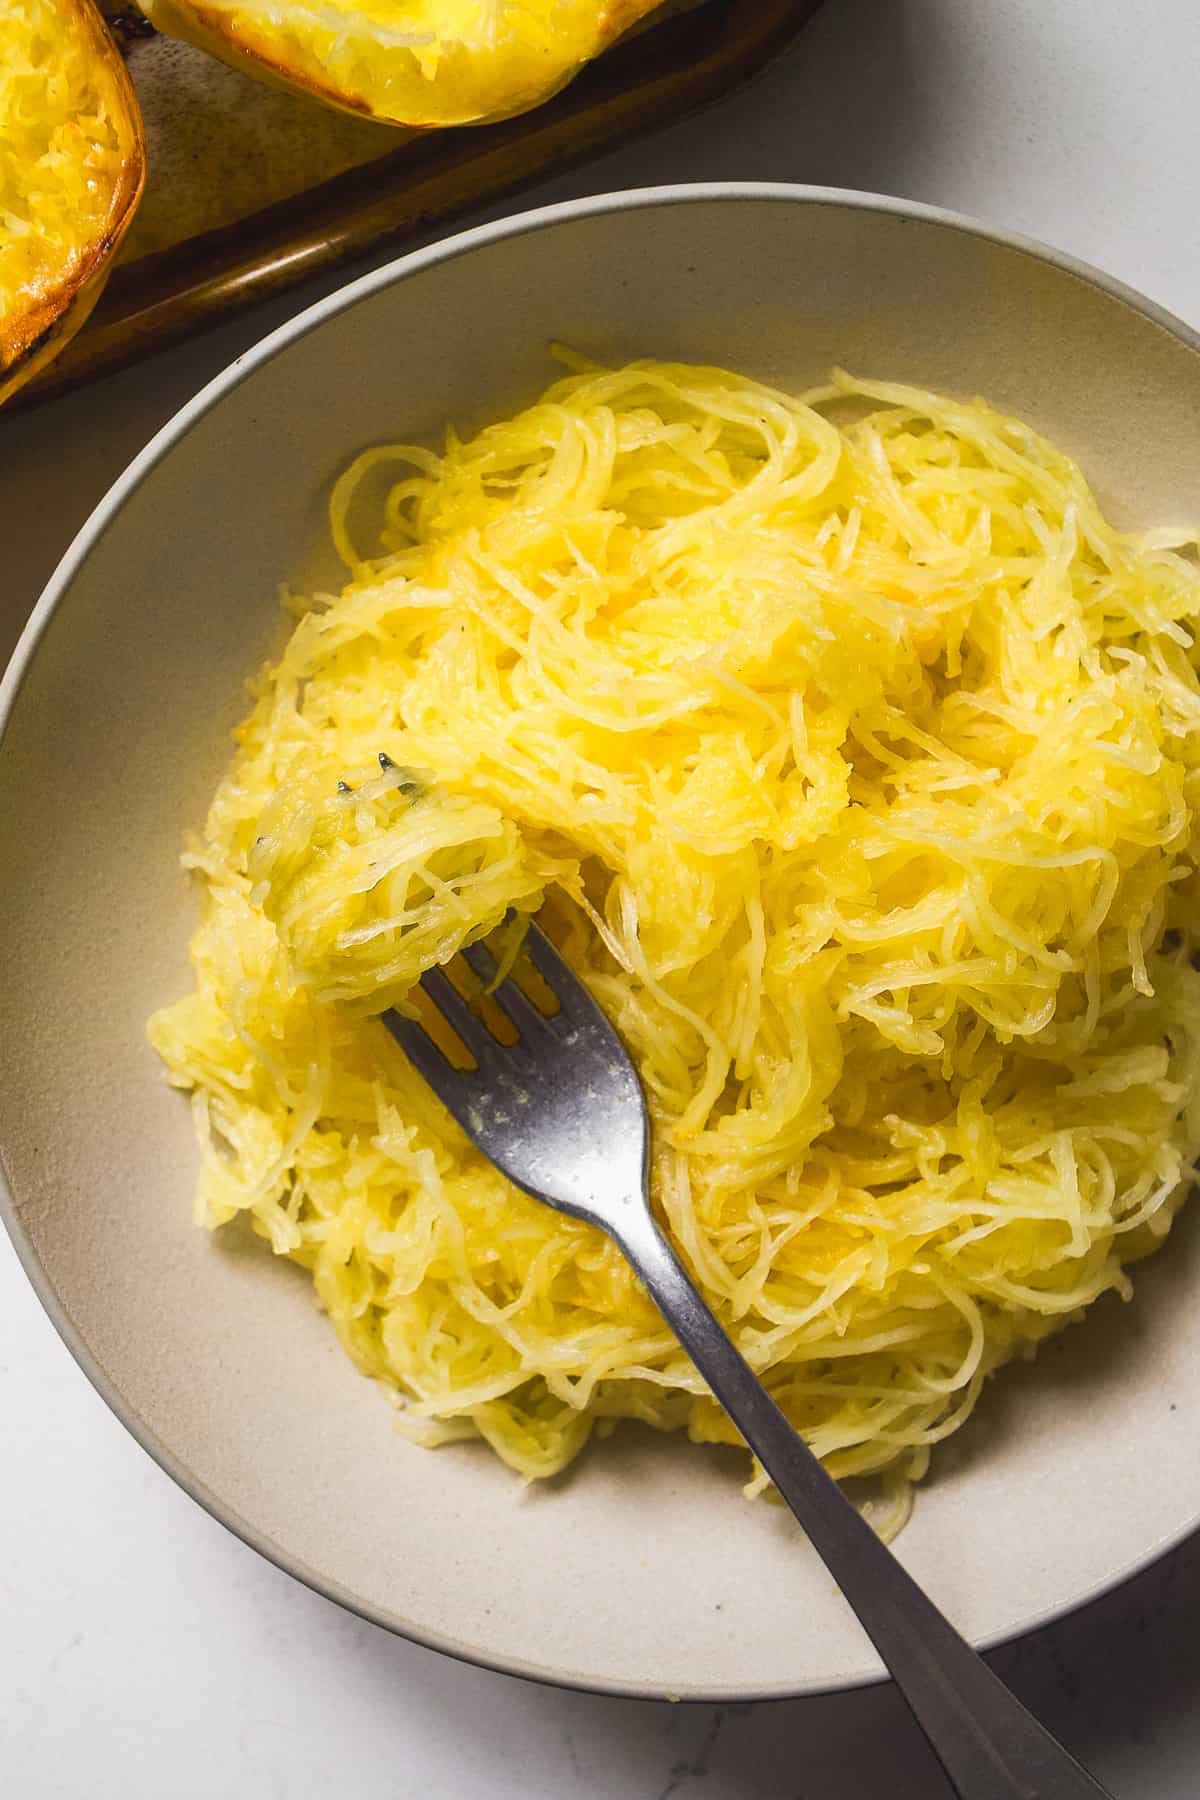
(310, 318)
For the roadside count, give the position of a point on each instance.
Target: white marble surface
(143, 1651)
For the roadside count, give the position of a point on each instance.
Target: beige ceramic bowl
(644, 1571)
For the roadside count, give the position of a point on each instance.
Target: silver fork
(561, 1112)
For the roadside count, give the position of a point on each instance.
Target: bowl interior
(644, 1570)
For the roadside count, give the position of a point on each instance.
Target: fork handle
(990, 1746)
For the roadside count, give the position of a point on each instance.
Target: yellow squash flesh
(408, 62)
(858, 758)
(72, 165)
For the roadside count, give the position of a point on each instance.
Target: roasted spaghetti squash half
(408, 62)
(72, 165)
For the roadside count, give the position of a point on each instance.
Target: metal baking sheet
(253, 188)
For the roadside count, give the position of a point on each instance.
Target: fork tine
(557, 973)
(527, 1018)
(480, 960)
(424, 1056)
(458, 1014)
